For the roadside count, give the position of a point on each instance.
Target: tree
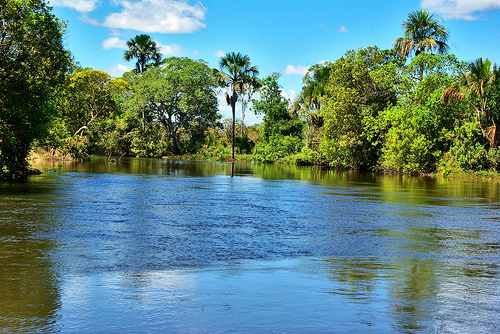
(277, 118)
(236, 73)
(481, 79)
(179, 95)
(423, 33)
(308, 104)
(91, 98)
(281, 134)
(87, 108)
(419, 129)
(144, 48)
(33, 65)
(246, 94)
(360, 85)
(480, 84)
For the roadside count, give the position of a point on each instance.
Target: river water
(165, 246)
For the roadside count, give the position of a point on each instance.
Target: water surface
(159, 246)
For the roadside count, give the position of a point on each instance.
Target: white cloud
(289, 94)
(460, 9)
(158, 16)
(119, 69)
(219, 53)
(170, 50)
(88, 20)
(292, 70)
(342, 29)
(82, 6)
(114, 43)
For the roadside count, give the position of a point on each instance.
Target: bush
(305, 157)
(277, 149)
(468, 153)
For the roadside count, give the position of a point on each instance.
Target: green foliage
(354, 95)
(306, 156)
(33, 63)
(282, 131)
(88, 109)
(423, 33)
(145, 49)
(481, 85)
(238, 75)
(418, 129)
(179, 95)
(277, 148)
(153, 143)
(278, 121)
(468, 153)
(367, 110)
(410, 146)
(218, 144)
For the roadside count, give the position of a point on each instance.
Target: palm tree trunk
(242, 117)
(234, 99)
(233, 110)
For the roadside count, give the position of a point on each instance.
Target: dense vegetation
(413, 109)
(33, 64)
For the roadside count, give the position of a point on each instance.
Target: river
(168, 246)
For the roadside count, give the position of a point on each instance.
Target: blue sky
(278, 35)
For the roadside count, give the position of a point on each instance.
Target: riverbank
(19, 174)
(247, 158)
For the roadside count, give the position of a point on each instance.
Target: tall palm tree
(144, 48)
(480, 78)
(423, 32)
(235, 73)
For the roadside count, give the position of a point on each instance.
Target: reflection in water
(178, 246)
(30, 296)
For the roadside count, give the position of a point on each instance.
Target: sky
(279, 36)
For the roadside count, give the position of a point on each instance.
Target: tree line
(414, 108)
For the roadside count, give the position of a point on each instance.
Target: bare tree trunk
(171, 129)
(174, 142)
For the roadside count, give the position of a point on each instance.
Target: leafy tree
(236, 73)
(309, 101)
(314, 87)
(277, 118)
(144, 48)
(420, 128)
(482, 83)
(91, 98)
(479, 87)
(179, 95)
(361, 84)
(423, 33)
(246, 93)
(467, 152)
(87, 107)
(282, 131)
(33, 64)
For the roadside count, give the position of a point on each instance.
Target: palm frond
(451, 96)
(422, 32)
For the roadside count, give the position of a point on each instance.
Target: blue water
(156, 246)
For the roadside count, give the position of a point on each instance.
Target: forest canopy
(412, 109)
